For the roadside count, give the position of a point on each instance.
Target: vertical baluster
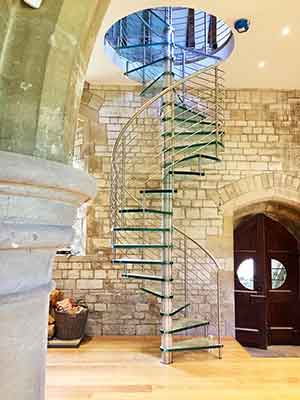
(143, 225)
(185, 274)
(219, 311)
(183, 73)
(123, 178)
(144, 53)
(205, 33)
(217, 109)
(167, 204)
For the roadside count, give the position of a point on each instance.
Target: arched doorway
(266, 270)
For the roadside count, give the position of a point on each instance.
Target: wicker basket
(70, 326)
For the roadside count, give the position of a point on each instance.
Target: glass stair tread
(154, 87)
(146, 210)
(176, 310)
(145, 277)
(141, 45)
(141, 246)
(188, 158)
(137, 53)
(144, 66)
(184, 112)
(188, 173)
(192, 344)
(185, 324)
(155, 191)
(140, 229)
(148, 74)
(194, 146)
(189, 109)
(189, 120)
(155, 293)
(191, 133)
(139, 261)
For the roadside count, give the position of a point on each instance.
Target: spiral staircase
(168, 144)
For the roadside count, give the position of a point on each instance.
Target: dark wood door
(250, 284)
(283, 278)
(266, 283)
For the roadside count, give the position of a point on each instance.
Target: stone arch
(276, 194)
(276, 187)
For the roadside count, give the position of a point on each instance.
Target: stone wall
(262, 139)
(115, 305)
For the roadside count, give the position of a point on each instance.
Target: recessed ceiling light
(261, 64)
(285, 31)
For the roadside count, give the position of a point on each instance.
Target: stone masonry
(262, 142)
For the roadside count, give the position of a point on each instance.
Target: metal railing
(182, 125)
(141, 37)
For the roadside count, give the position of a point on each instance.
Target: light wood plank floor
(128, 368)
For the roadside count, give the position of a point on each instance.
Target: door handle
(258, 298)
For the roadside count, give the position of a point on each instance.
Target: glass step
(147, 72)
(176, 310)
(154, 87)
(157, 191)
(188, 173)
(188, 158)
(145, 277)
(190, 133)
(195, 146)
(139, 261)
(141, 246)
(141, 45)
(184, 112)
(141, 53)
(185, 324)
(188, 120)
(193, 344)
(190, 110)
(157, 294)
(146, 210)
(140, 229)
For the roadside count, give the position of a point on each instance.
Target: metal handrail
(194, 80)
(151, 101)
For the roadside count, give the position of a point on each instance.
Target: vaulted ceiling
(265, 57)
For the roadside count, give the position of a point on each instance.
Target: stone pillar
(38, 203)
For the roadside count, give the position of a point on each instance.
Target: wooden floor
(128, 368)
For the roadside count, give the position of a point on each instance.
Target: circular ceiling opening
(194, 39)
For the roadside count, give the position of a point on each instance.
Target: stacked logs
(69, 306)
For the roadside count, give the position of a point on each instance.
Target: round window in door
(245, 273)
(278, 273)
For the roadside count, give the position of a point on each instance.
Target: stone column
(38, 202)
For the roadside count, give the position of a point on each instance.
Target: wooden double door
(267, 306)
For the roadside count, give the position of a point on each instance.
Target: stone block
(89, 284)
(86, 274)
(100, 307)
(99, 274)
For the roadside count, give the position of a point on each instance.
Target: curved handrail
(207, 252)
(200, 268)
(148, 103)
